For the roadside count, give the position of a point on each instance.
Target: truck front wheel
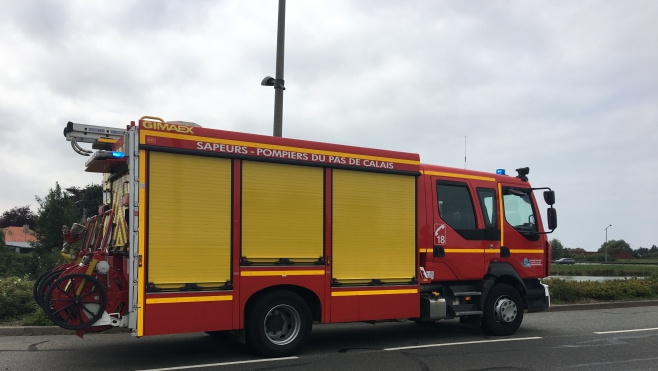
(278, 324)
(503, 310)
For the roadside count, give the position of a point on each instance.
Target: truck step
(468, 313)
(468, 293)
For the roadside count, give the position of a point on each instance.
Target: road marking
(462, 343)
(220, 364)
(612, 362)
(616, 332)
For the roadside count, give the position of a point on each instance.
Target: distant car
(565, 261)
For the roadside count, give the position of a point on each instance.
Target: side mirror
(549, 197)
(552, 218)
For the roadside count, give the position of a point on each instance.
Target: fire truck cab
(208, 230)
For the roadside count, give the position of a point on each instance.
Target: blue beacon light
(500, 171)
(118, 154)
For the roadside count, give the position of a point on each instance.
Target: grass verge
(604, 270)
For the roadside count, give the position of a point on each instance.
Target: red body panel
(174, 318)
(373, 308)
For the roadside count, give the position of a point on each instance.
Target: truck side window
(487, 197)
(455, 205)
(519, 212)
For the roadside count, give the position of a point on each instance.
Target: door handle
(439, 252)
(504, 252)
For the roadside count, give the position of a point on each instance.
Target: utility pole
(278, 81)
(606, 243)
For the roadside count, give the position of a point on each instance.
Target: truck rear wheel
(278, 324)
(503, 310)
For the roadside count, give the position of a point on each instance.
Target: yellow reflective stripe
(142, 243)
(282, 273)
(501, 216)
(144, 132)
(426, 250)
(492, 251)
(188, 299)
(373, 292)
(462, 176)
(534, 251)
(465, 250)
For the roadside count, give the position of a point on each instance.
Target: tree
(641, 250)
(2, 240)
(615, 247)
(87, 199)
(653, 248)
(55, 210)
(18, 217)
(558, 249)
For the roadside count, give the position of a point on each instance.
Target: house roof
(16, 234)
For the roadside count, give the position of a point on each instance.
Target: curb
(55, 330)
(610, 305)
(47, 330)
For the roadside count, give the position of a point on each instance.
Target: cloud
(566, 88)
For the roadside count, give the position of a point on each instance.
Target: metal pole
(606, 243)
(278, 89)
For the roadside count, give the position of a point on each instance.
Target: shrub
(16, 298)
(18, 265)
(37, 318)
(572, 291)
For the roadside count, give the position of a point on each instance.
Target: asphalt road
(579, 340)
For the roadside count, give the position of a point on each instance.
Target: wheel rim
(505, 310)
(282, 324)
(76, 301)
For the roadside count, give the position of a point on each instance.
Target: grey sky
(568, 88)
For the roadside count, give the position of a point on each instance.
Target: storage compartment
(373, 227)
(282, 213)
(189, 222)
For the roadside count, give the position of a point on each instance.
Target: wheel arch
(309, 296)
(501, 272)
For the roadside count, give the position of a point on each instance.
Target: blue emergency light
(118, 154)
(500, 171)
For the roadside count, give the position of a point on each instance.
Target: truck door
(458, 242)
(488, 200)
(521, 245)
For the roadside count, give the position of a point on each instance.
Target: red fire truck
(219, 231)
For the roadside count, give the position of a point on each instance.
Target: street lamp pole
(606, 243)
(278, 81)
(278, 90)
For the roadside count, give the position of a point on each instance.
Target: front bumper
(538, 299)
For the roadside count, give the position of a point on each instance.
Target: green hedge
(16, 298)
(17, 303)
(575, 291)
(609, 270)
(20, 265)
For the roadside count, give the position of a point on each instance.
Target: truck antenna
(464, 151)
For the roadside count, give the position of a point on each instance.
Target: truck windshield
(519, 212)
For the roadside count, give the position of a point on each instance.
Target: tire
(278, 324)
(503, 310)
(44, 284)
(35, 288)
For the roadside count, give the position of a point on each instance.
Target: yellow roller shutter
(282, 212)
(373, 227)
(189, 220)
